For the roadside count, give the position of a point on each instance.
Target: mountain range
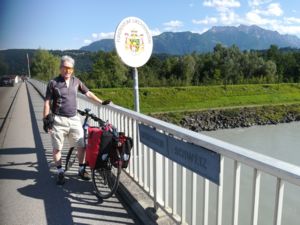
(179, 43)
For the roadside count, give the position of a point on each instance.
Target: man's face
(66, 71)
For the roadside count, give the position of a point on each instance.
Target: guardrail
(191, 199)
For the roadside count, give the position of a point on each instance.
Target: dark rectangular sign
(200, 160)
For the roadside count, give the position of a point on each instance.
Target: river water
(280, 141)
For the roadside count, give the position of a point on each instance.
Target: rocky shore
(235, 117)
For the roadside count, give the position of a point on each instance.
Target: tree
(108, 70)
(3, 67)
(188, 69)
(44, 65)
(269, 71)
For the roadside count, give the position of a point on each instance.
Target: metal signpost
(134, 44)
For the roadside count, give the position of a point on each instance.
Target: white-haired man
(61, 100)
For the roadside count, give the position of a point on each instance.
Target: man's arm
(46, 108)
(92, 96)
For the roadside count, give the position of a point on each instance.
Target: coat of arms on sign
(134, 42)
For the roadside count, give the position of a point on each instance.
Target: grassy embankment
(176, 101)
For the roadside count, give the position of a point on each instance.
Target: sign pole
(134, 45)
(136, 90)
(28, 66)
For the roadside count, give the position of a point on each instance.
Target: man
(61, 99)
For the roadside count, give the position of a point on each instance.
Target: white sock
(60, 170)
(81, 168)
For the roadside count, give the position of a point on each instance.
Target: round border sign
(133, 42)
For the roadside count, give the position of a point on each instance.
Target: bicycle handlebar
(87, 115)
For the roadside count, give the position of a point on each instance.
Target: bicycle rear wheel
(106, 180)
(71, 158)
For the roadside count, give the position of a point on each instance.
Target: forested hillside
(223, 66)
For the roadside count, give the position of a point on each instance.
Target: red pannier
(103, 143)
(124, 146)
(92, 148)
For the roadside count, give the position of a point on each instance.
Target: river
(281, 141)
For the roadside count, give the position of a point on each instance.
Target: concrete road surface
(28, 193)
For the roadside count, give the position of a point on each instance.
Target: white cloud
(284, 29)
(225, 9)
(222, 5)
(99, 36)
(173, 25)
(94, 35)
(229, 18)
(274, 9)
(200, 31)
(206, 21)
(255, 3)
(291, 20)
(254, 18)
(86, 41)
(155, 32)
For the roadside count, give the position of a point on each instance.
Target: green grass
(176, 99)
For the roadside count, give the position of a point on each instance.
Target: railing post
(256, 192)
(236, 191)
(278, 201)
(220, 192)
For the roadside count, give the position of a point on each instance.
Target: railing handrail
(270, 165)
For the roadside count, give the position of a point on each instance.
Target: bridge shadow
(73, 203)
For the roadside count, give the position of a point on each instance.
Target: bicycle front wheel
(106, 180)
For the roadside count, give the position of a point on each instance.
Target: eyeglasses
(68, 69)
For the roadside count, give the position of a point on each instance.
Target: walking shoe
(60, 178)
(83, 174)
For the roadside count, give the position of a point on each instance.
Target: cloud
(284, 29)
(206, 21)
(155, 32)
(254, 18)
(87, 41)
(260, 8)
(274, 9)
(173, 25)
(99, 36)
(222, 5)
(102, 35)
(255, 3)
(200, 31)
(291, 20)
(225, 9)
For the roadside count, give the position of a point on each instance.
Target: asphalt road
(28, 193)
(7, 95)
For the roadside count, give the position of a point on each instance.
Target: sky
(72, 24)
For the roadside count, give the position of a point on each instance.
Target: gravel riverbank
(209, 120)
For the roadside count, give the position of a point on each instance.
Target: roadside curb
(140, 203)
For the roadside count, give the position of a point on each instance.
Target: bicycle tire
(70, 159)
(106, 180)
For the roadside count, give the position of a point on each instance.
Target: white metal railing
(191, 199)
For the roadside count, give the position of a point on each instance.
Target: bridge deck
(29, 194)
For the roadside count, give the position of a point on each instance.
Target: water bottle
(125, 157)
(104, 157)
(86, 134)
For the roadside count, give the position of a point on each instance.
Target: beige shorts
(69, 127)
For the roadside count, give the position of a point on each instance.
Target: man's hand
(48, 122)
(106, 102)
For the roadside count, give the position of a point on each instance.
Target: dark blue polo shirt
(63, 98)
